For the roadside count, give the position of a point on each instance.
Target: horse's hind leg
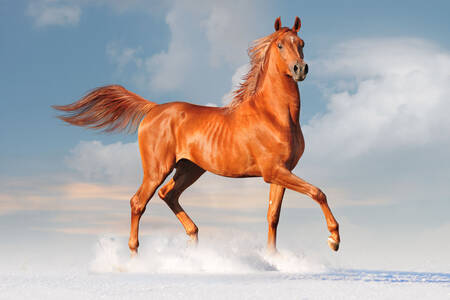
(187, 173)
(139, 201)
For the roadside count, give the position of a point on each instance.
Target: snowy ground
(167, 268)
(268, 285)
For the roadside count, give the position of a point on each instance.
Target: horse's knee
(272, 219)
(320, 197)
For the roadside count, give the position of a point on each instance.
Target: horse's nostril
(306, 69)
(295, 68)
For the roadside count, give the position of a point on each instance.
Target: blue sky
(374, 112)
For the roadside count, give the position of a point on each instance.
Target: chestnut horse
(257, 135)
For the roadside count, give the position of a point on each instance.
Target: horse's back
(207, 136)
(173, 113)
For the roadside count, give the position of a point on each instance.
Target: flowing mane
(257, 53)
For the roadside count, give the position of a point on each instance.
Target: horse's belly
(225, 162)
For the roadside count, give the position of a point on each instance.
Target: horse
(257, 134)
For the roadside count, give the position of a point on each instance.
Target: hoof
(271, 250)
(134, 253)
(333, 244)
(272, 253)
(193, 240)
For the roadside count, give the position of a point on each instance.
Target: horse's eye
(279, 46)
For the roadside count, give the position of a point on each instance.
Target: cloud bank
(389, 93)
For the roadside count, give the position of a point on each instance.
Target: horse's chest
(292, 146)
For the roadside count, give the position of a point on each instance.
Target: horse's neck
(279, 95)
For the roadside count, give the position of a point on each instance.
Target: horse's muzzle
(299, 71)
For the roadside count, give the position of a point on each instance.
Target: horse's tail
(109, 108)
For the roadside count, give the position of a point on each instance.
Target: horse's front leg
(273, 215)
(285, 178)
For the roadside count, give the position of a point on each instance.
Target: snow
(175, 255)
(264, 285)
(169, 268)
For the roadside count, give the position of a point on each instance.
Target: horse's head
(288, 50)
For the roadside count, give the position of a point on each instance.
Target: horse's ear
(277, 24)
(297, 24)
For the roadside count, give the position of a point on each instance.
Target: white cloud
(398, 97)
(123, 56)
(230, 27)
(68, 12)
(116, 163)
(54, 12)
(167, 69)
(236, 80)
(207, 38)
